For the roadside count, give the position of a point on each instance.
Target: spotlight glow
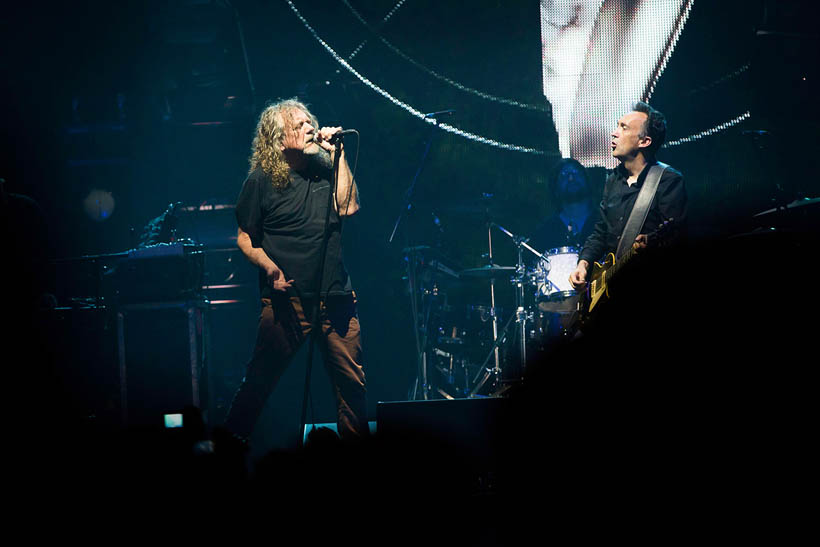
(99, 205)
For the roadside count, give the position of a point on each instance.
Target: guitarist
(635, 141)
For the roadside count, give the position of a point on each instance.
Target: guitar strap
(641, 208)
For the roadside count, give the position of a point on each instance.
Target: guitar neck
(623, 260)
(654, 239)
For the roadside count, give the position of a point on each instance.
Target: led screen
(599, 57)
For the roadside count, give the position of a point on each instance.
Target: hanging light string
(434, 74)
(383, 21)
(726, 125)
(405, 106)
(720, 80)
(471, 136)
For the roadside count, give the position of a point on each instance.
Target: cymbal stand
(520, 273)
(494, 372)
(492, 296)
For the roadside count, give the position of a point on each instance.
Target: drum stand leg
(420, 326)
(495, 326)
(521, 319)
(495, 372)
(520, 312)
(421, 380)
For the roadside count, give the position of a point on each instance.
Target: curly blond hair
(265, 150)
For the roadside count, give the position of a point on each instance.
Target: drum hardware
(458, 341)
(449, 370)
(425, 268)
(495, 372)
(463, 329)
(522, 316)
(453, 340)
(517, 275)
(491, 271)
(453, 371)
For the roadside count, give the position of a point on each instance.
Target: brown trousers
(284, 324)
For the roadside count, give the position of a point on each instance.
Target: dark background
(116, 96)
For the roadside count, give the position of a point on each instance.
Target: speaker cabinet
(162, 355)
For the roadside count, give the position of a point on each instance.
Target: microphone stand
(315, 323)
(409, 194)
(421, 343)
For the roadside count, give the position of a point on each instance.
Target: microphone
(440, 112)
(336, 137)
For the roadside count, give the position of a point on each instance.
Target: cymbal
(488, 271)
(797, 204)
(800, 214)
(433, 259)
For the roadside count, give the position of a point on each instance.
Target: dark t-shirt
(289, 224)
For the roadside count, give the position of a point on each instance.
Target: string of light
(383, 21)
(726, 125)
(434, 74)
(415, 112)
(720, 80)
(472, 136)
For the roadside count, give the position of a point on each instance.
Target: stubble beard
(318, 156)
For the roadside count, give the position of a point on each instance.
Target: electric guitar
(601, 276)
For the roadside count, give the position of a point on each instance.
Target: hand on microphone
(324, 137)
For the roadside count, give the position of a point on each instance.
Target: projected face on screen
(600, 57)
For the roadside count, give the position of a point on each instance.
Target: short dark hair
(654, 127)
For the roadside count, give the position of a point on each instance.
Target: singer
(281, 213)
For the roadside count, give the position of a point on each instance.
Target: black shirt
(618, 199)
(289, 224)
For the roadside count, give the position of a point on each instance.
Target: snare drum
(554, 292)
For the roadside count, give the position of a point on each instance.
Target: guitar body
(600, 276)
(598, 289)
(596, 293)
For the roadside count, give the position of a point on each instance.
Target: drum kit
(478, 349)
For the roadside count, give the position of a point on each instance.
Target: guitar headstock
(665, 233)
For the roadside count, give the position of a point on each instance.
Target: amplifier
(163, 359)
